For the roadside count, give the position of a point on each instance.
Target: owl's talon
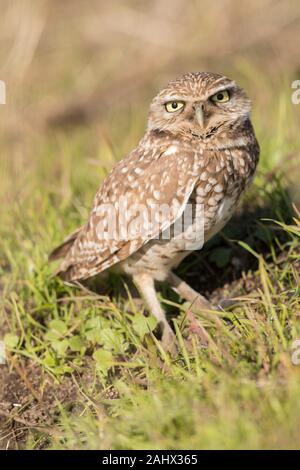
(225, 304)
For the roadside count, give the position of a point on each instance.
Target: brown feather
(62, 250)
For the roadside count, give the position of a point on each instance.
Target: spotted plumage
(199, 150)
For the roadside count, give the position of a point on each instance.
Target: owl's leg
(145, 285)
(197, 300)
(188, 293)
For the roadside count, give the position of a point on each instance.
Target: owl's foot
(225, 303)
(188, 293)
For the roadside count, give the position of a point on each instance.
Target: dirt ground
(28, 400)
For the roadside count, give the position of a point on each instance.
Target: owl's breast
(222, 215)
(221, 185)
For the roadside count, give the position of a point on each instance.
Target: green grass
(242, 391)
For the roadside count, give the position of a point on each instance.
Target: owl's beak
(200, 115)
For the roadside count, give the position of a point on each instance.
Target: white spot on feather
(171, 150)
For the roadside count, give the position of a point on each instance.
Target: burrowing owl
(199, 150)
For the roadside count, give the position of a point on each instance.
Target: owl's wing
(152, 184)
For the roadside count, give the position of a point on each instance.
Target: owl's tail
(62, 250)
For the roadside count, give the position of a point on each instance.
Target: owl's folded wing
(142, 196)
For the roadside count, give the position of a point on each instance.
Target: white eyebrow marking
(221, 78)
(174, 97)
(226, 86)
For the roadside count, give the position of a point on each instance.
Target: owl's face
(199, 104)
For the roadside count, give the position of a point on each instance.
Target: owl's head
(199, 104)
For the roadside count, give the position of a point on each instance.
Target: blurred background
(80, 76)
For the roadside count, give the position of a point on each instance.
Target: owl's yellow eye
(221, 97)
(173, 106)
